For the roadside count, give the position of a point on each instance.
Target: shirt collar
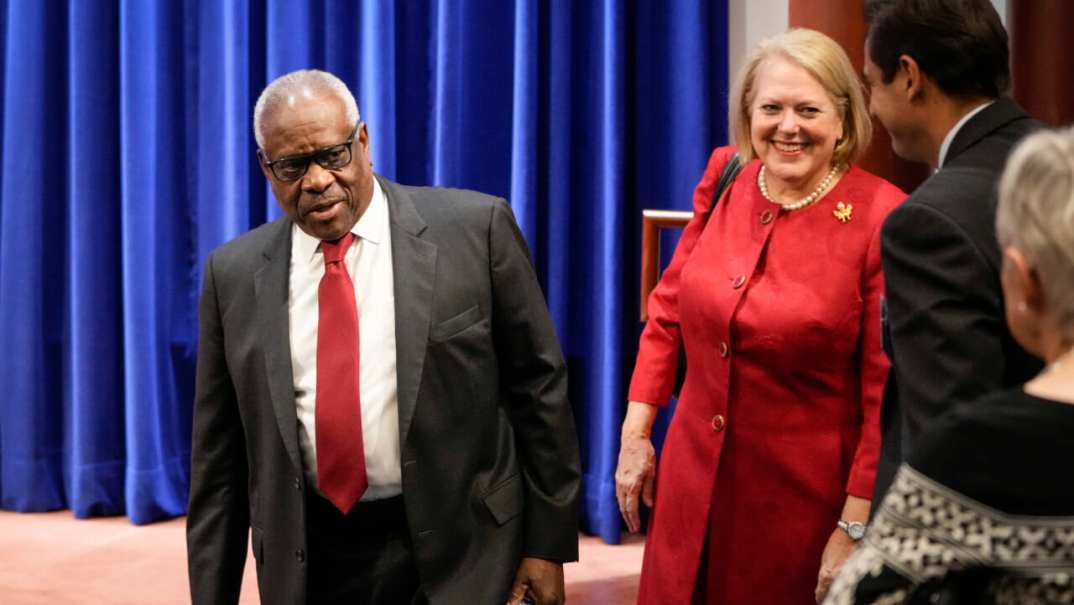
(954, 131)
(370, 227)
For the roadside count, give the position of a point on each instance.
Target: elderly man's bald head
(290, 89)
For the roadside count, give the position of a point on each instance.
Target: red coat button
(724, 349)
(766, 217)
(739, 281)
(718, 422)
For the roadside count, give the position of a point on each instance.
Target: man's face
(323, 203)
(889, 104)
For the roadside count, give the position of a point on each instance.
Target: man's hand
(634, 476)
(542, 579)
(835, 554)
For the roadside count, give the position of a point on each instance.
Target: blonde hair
(825, 60)
(1036, 215)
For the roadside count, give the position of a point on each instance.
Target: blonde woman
(768, 466)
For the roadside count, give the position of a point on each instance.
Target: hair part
(829, 65)
(959, 44)
(305, 82)
(1036, 216)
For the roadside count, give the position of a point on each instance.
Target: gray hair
(304, 82)
(1036, 215)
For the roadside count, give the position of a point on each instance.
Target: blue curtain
(127, 155)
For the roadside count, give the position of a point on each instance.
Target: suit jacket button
(739, 281)
(766, 217)
(300, 555)
(718, 422)
(298, 484)
(724, 349)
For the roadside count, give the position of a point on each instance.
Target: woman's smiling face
(794, 125)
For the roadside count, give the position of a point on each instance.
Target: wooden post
(652, 222)
(1042, 58)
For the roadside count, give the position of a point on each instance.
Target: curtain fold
(94, 392)
(32, 261)
(157, 348)
(126, 156)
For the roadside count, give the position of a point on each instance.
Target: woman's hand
(840, 545)
(835, 554)
(636, 473)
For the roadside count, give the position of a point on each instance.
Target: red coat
(778, 418)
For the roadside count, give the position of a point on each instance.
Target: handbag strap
(727, 176)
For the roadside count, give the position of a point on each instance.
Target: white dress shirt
(369, 263)
(954, 131)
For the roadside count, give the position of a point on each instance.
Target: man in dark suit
(381, 398)
(937, 72)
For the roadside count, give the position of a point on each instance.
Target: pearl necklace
(802, 203)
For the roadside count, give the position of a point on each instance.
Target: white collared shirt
(954, 131)
(369, 263)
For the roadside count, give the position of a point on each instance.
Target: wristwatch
(853, 529)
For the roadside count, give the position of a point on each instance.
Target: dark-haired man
(937, 72)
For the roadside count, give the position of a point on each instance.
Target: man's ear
(913, 77)
(363, 143)
(363, 136)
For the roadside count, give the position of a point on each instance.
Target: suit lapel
(1000, 113)
(271, 283)
(414, 268)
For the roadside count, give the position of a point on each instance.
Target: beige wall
(748, 22)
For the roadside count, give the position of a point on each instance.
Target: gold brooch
(843, 212)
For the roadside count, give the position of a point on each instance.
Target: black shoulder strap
(727, 176)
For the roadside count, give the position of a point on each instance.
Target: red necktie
(340, 454)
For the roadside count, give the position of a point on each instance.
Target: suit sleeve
(945, 315)
(218, 515)
(874, 373)
(658, 351)
(533, 376)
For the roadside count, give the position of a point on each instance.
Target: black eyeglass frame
(313, 156)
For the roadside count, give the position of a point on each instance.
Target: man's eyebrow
(312, 153)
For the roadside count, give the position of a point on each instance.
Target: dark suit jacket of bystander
(944, 321)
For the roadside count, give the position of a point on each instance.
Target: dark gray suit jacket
(490, 464)
(944, 329)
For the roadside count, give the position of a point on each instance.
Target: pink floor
(53, 558)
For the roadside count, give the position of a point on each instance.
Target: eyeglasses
(292, 168)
